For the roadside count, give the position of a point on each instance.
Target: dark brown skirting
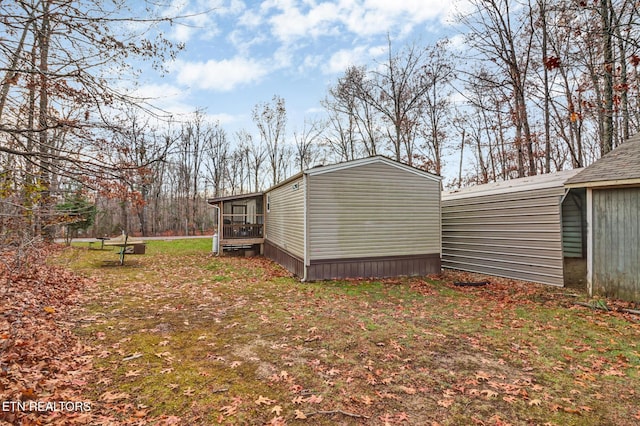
(293, 263)
(371, 267)
(374, 267)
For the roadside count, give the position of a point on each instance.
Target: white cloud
(291, 23)
(223, 76)
(345, 58)
(310, 62)
(165, 97)
(381, 16)
(291, 20)
(250, 19)
(198, 18)
(224, 119)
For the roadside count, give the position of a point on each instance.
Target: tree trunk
(607, 125)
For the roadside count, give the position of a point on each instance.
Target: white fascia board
(371, 160)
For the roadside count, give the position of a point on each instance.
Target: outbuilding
(612, 186)
(371, 217)
(530, 229)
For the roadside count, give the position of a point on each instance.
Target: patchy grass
(179, 335)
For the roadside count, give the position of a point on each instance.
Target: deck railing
(237, 226)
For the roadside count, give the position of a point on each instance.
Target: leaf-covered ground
(177, 336)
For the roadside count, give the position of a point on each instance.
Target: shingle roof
(621, 164)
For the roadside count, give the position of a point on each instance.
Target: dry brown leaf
(229, 410)
(446, 403)
(263, 400)
(489, 393)
(408, 390)
(277, 409)
(482, 376)
(113, 396)
(314, 399)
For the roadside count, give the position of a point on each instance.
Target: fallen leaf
(299, 415)
(402, 417)
(535, 402)
(277, 421)
(489, 393)
(314, 399)
(482, 376)
(113, 396)
(277, 409)
(408, 390)
(171, 420)
(446, 403)
(27, 394)
(386, 419)
(140, 413)
(263, 400)
(229, 410)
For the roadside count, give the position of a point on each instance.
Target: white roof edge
(529, 183)
(371, 160)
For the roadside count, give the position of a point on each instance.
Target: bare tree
(396, 90)
(497, 34)
(271, 119)
(143, 154)
(57, 92)
(217, 150)
(438, 73)
(354, 123)
(305, 142)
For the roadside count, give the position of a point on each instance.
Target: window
(268, 204)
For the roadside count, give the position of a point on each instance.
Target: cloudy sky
(242, 53)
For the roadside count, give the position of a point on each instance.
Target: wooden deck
(241, 241)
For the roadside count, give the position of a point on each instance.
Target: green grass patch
(238, 341)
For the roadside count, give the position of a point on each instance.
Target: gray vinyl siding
(514, 234)
(616, 241)
(285, 217)
(372, 210)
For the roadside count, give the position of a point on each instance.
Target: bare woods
(519, 88)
